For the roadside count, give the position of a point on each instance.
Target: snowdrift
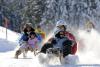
(90, 52)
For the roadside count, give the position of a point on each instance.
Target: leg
(24, 54)
(21, 50)
(38, 53)
(34, 52)
(61, 58)
(67, 48)
(18, 52)
(25, 51)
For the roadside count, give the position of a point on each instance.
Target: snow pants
(23, 49)
(67, 48)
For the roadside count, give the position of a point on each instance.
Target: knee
(18, 52)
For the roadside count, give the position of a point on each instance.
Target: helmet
(60, 22)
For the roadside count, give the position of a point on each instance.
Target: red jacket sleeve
(71, 37)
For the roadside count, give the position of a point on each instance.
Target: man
(63, 39)
(61, 26)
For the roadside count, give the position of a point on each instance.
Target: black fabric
(25, 37)
(45, 47)
(53, 41)
(67, 42)
(25, 30)
(67, 47)
(33, 33)
(57, 35)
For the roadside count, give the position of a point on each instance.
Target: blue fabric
(39, 37)
(60, 42)
(32, 46)
(24, 37)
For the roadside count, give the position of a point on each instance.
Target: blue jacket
(39, 37)
(24, 37)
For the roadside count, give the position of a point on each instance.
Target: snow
(90, 42)
(6, 45)
(9, 45)
(12, 36)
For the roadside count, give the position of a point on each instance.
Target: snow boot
(18, 52)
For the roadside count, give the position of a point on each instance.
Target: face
(39, 28)
(61, 27)
(32, 36)
(61, 34)
(28, 28)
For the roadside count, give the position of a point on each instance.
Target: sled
(70, 37)
(48, 48)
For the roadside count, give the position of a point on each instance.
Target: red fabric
(6, 22)
(43, 35)
(71, 37)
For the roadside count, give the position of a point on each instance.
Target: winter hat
(56, 32)
(60, 22)
(32, 33)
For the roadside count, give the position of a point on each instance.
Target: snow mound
(11, 36)
(7, 45)
(88, 50)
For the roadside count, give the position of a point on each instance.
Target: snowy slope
(9, 43)
(89, 47)
(11, 36)
(87, 56)
(7, 51)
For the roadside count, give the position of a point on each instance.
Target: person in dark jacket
(63, 43)
(62, 37)
(61, 25)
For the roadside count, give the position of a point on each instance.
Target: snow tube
(71, 37)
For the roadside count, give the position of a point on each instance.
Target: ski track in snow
(8, 48)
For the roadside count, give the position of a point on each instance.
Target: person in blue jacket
(24, 39)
